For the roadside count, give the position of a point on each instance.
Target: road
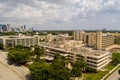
(114, 76)
(11, 72)
(8, 74)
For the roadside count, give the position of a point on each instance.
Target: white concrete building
(97, 40)
(73, 51)
(23, 40)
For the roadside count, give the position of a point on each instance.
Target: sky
(61, 14)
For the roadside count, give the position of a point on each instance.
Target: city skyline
(61, 14)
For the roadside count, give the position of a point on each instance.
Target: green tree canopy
(76, 72)
(59, 71)
(62, 59)
(1, 46)
(119, 71)
(39, 51)
(116, 58)
(19, 57)
(40, 71)
(54, 71)
(78, 67)
(19, 54)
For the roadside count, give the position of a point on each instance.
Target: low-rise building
(95, 59)
(9, 41)
(59, 37)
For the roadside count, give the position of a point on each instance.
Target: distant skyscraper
(32, 29)
(24, 27)
(8, 27)
(4, 28)
(17, 30)
(1, 27)
(21, 28)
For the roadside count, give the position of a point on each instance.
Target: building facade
(4, 27)
(116, 38)
(10, 41)
(95, 59)
(96, 40)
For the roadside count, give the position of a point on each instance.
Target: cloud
(56, 12)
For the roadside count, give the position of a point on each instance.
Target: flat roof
(76, 49)
(14, 37)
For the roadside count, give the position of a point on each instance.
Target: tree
(62, 59)
(21, 48)
(83, 66)
(76, 70)
(59, 71)
(1, 46)
(116, 58)
(39, 51)
(119, 71)
(40, 71)
(19, 54)
(18, 57)
(55, 71)
(78, 67)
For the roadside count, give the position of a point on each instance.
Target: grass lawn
(95, 76)
(110, 66)
(98, 75)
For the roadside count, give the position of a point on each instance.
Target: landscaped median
(110, 72)
(99, 74)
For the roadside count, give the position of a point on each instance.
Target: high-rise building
(30, 29)
(96, 40)
(8, 27)
(22, 28)
(79, 35)
(104, 40)
(4, 27)
(1, 27)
